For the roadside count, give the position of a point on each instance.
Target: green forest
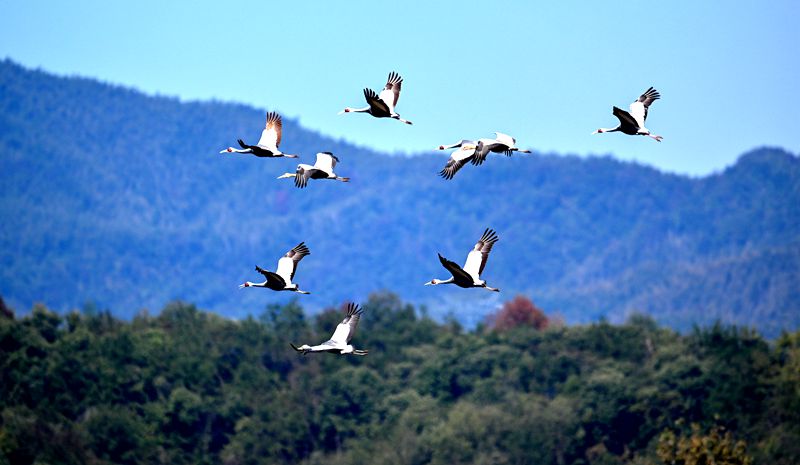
(187, 386)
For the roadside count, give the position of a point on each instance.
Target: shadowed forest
(192, 387)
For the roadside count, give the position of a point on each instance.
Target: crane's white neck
(287, 175)
(451, 146)
(602, 130)
(249, 284)
(356, 110)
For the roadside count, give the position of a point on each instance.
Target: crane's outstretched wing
(457, 160)
(639, 107)
(476, 259)
(301, 177)
(377, 106)
(505, 139)
(287, 265)
(455, 270)
(347, 328)
(625, 118)
(484, 147)
(326, 161)
(271, 135)
(391, 92)
(273, 280)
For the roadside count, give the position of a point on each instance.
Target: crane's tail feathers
(360, 352)
(303, 292)
(339, 178)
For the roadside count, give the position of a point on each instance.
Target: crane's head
(305, 348)
(246, 284)
(599, 131)
(433, 282)
(228, 150)
(346, 110)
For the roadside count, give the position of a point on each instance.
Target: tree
(520, 311)
(698, 448)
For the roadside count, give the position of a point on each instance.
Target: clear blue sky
(545, 72)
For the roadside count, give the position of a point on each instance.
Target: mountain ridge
(122, 198)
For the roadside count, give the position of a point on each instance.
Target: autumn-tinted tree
(520, 311)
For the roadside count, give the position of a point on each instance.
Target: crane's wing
(287, 265)
(391, 92)
(326, 161)
(271, 135)
(301, 177)
(625, 118)
(457, 160)
(273, 279)
(376, 104)
(454, 269)
(640, 106)
(476, 259)
(484, 147)
(505, 139)
(347, 328)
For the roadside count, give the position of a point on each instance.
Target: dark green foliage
(110, 194)
(190, 387)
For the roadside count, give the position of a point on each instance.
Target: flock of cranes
(475, 152)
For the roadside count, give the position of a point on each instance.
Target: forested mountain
(190, 387)
(121, 198)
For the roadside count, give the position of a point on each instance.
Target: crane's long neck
(231, 149)
(357, 110)
(602, 130)
(451, 146)
(446, 281)
(249, 284)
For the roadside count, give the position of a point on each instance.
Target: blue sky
(546, 73)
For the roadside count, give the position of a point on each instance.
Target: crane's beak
(341, 112)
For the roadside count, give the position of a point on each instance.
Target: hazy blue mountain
(121, 198)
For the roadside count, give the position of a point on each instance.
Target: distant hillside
(113, 196)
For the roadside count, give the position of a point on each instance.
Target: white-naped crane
(340, 341)
(267, 146)
(502, 143)
(632, 123)
(470, 274)
(322, 169)
(382, 105)
(281, 279)
(459, 158)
